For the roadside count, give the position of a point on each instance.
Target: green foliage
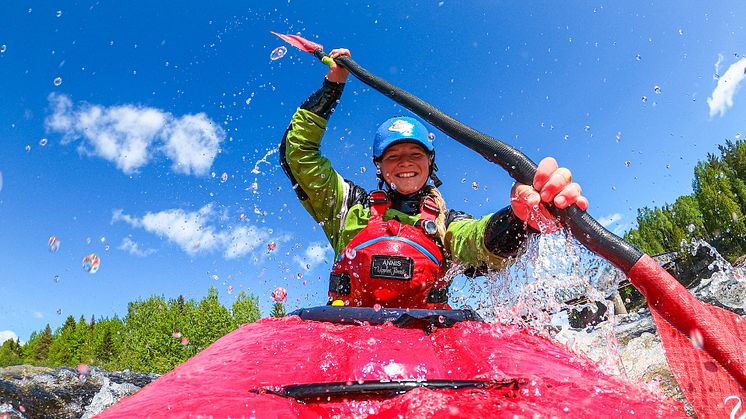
(11, 353)
(714, 212)
(278, 310)
(155, 335)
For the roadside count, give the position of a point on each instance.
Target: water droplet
(3, 48)
(698, 341)
(299, 275)
(628, 163)
(638, 57)
(278, 53)
(53, 243)
(176, 334)
(91, 263)
(738, 135)
(59, 13)
(27, 148)
(657, 89)
(644, 99)
(184, 341)
(279, 294)
(350, 253)
(431, 136)
(56, 278)
(215, 277)
(363, 169)
(441, 319)
(587, 128)
(681, 31)
(224, 177)
(376, 307)
(271, 246)
(103, 239)
(59, 311)
(57, 81)
(618, 136)
(566, 137)
(475, 185)
(230, 289)
(43, 142)
(691, 228)
(668, 165)
(463, 180)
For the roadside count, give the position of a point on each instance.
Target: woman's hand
(552, 184)
(337, 73)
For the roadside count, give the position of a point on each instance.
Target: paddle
(711, 367)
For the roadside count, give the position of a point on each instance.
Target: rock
(39, 392)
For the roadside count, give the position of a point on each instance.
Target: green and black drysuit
(341, 207)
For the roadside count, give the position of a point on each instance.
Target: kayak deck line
(325, 392)
(424, 319)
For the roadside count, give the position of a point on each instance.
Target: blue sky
(160, 133)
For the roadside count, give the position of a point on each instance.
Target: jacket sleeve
(486, 243)
(320, 188)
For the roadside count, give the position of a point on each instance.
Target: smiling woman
(406, 223)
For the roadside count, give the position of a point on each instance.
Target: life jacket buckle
(378, 197)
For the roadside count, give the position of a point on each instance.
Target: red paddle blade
(704, 382)
(711, 367)
(299, 42)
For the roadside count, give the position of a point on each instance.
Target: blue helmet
(401, 129)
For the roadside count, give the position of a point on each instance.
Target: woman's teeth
(406, 174)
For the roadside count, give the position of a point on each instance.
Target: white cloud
(316, 253)
(192, 142)
(131, 136)
(7, 335)
(197, 231)
(610, 219)
(613, 222)
(722, 97)
(131, 247)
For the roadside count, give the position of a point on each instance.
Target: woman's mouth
(404, 175)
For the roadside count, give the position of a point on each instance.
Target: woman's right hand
(337, 73)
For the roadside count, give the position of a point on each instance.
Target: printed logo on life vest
(402, 127)
(391, 267)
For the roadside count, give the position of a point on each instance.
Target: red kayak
(360, 362)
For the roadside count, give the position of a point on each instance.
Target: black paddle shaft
(585, 228)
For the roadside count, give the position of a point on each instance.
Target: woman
(393, 246)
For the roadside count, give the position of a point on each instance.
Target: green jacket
(341, 207)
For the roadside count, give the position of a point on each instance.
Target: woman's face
(405, 167)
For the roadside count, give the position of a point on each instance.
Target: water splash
(272, 151)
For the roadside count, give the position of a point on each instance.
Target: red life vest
(392, 264)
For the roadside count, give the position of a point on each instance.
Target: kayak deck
(244, 373)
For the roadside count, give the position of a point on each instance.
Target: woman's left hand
(552, 184)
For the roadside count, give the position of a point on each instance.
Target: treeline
(156, 335)
(713, 212)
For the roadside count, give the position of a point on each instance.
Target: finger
(568, 196)
(339, 52)
(525, 195)
(559, 180)
(544, 172)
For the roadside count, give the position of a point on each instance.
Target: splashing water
(91, 263)
(53, 243)
(279, 294)
(255, 170)
(278, 53)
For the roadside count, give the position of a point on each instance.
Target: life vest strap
(379, 203)
(429, 210)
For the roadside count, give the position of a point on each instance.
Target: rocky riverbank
(40, 392)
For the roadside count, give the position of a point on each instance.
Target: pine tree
(45, 342)
(278, 310)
